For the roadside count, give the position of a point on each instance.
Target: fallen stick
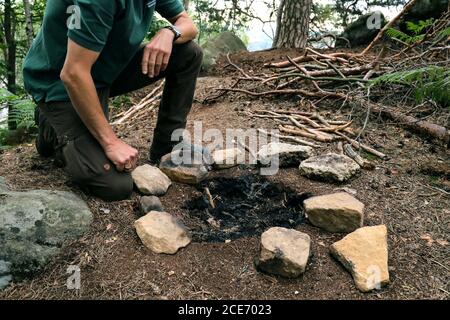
(295, 139)
(420, 126)
(304, 58)
(359, 145)
(306, 93)
(336, 128)
(307, 134)
(210, 198)
(137, 108)
(363, 163)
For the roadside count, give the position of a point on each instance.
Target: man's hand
(121, 155)
(157, 53)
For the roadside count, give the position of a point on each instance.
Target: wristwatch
(175, 31)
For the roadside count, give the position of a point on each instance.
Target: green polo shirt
(115, 28)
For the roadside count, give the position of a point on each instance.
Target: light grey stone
(329, 167)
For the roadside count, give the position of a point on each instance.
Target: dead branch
(290, 138)
(416, 125)
(363, 163)
(359, 145)
(307, 58)
(325, 94)
(380, 34)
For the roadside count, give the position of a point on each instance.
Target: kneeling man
(90, 50)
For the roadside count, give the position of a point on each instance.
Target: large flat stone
(337, 212)
(162, 233)
(364, 253)
(284, 252)
(329, 167)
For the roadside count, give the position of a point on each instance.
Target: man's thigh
(89, 167)
(85, 160)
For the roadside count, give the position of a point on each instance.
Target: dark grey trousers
(86, 162)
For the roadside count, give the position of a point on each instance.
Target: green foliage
(157, 24)
(212, 18)
(416, 29)
(122, 100)
(21, 111)
(431, 82)
(397, 34)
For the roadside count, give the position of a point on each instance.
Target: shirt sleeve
(91, 22)
(169, 8)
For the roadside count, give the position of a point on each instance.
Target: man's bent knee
(192, 52)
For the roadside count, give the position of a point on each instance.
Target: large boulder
(362, 31)
(33, 227)
(283, 252)
(364, 253)
(226, 42)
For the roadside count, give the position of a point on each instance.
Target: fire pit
(231, 208)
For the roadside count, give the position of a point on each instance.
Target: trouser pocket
(85, 159)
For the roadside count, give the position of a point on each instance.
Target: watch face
(177, 32)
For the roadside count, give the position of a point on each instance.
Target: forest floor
(408, 192)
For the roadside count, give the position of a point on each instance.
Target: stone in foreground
(150, 203)
(228, 158)
(162, 233)
(150, 180)
(329, 167)
(187, 165)
(337, 212)
(33, 227)
(283, 252)
(364, 253)
(289, 155)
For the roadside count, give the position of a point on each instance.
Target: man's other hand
(157, 53)
(122, 155)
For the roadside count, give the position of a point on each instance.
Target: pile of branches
(421, 67)
(298, 126)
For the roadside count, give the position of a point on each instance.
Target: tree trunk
(9, 31)
(11, 46)
(292, 24)
(29, 22)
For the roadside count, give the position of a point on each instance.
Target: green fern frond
(419, 27)
(429, 82)
(397, 34)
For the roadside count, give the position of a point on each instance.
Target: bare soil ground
(409, 192)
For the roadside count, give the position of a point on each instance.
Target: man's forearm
(188, 30)
(83, 95)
